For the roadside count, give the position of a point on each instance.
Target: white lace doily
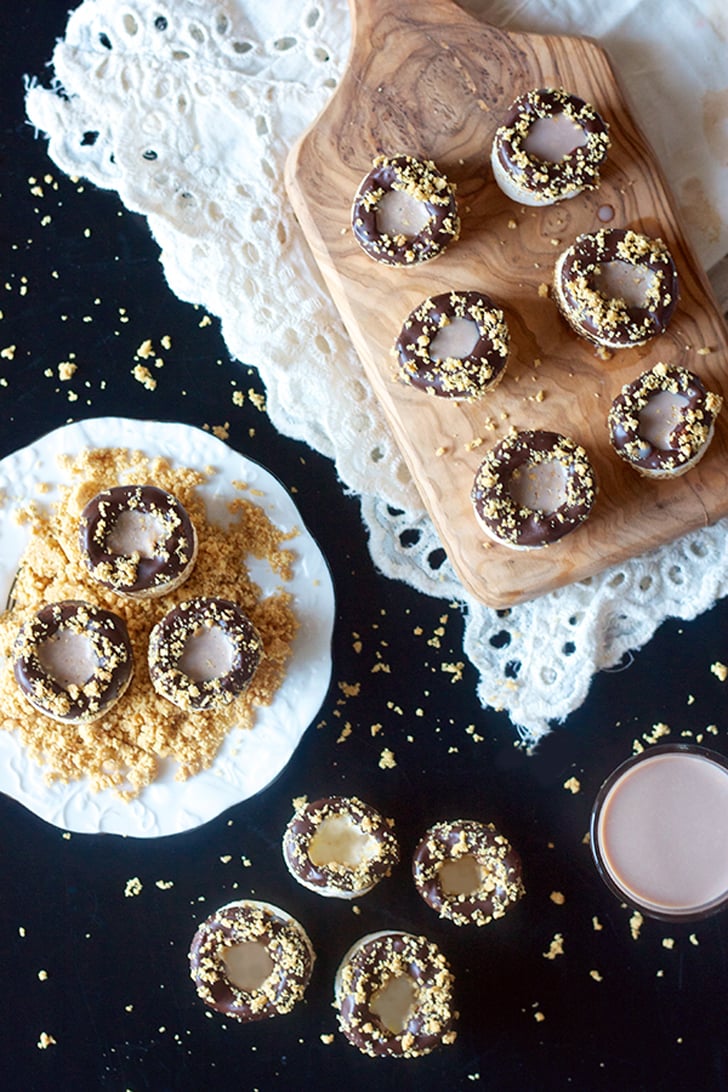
(188, 109)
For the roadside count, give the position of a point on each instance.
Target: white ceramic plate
(248, 759)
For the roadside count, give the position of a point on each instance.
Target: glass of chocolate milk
(659, 832)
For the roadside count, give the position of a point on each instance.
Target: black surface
(117, 998)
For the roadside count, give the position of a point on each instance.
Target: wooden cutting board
(431, 80)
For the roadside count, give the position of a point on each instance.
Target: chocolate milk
(660, 831)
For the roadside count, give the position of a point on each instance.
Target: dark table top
(612, 1012)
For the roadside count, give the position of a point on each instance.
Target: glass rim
(681, 914)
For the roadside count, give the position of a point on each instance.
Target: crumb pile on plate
(123, 749)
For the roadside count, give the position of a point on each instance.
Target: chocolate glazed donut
(498, 883)
(692, 431)
(171, 636)
(420, 179)
(466, 377)
(73, 702)
(285, 942)
(522, 527)
(601, 318)
(368, 967)
(535, 181)
(131, 572)
(357, 821)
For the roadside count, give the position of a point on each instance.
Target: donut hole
(208, 654)
(68, 658)
(663, 411)
(456, 338)
(339, 841)
(248, 964)
(553, 138)
(399, 213)
(626, 281)
(135, 532)
(461, 876)
(395, 1002)
(539, 486)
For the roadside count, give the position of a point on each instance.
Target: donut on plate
(73, 661)
(203, 653)
(137, 540)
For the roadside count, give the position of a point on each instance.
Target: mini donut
(605, 318)
(251, 961)
(467, 872)
(677, 432)
(187, 645)
(463, 376)
(394, 995)
(536, 179)
(137, 540)
(509, 466)
(417, 180)
(73, 661)
(339, 846)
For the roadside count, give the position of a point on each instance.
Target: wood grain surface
(432, 81)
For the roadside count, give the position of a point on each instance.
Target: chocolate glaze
(287, 945)
(576, 171)
(167, 643)
(691, 433)
(476, 373)
(109, 639)
(365, 971)
(500, 866)
(151, 575)
(405, 172)
(303, 826)
(526, 527)
(616, 324)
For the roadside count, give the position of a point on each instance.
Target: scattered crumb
(387, 760)
(539, 1016)
(635, 924)
(558, 898)
(327, 1039)
(719, 670)
(43, 976)
(45, 1041)
(556, 947)
(543, 290)
(133, 887)
(144, 376)
(573, 785)
(164, 885)
(455, 670)
(596, 976)
(66, 370)
(596, 924)
(668, 942)
(145, 350)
